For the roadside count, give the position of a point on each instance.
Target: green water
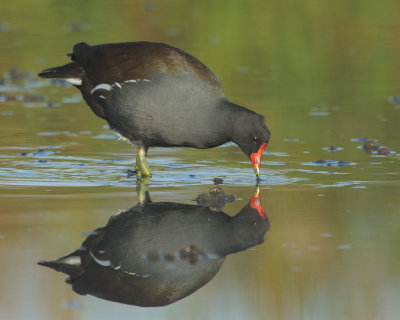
(321, 73)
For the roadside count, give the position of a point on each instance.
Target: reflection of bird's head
(251, 223)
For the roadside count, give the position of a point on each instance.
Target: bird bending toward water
(155, 95)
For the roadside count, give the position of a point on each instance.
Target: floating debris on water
(332, 148)
(39, 153)
(215, 199)
(51, 104)
(384, 151)
(329, 163)
(370, 146)
(373, 147)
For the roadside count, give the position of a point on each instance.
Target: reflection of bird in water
(156, 253)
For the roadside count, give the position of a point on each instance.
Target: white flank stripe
(103, 263)
(103, 86)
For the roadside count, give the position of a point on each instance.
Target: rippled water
(326, 78)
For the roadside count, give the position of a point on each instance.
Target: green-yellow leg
(142, 166)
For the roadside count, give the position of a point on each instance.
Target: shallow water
(326, 78)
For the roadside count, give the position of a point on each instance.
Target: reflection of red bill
(255, 203)
(256, 158)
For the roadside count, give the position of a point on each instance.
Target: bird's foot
(142, 166)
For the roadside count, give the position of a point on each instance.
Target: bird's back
(118, 62)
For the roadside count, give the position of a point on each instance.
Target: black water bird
(155, 95)
(156, 253)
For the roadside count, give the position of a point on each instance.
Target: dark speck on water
(51, 104)
(370, 146)
(130, 173)
(384, 151)
(329, 163)
(373, 147)
(332, 148)
(41, 153)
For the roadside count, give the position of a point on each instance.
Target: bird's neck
(236, 117)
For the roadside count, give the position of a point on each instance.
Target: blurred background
(326, 77)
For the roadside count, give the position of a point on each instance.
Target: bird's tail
(70, 265)
(70, 72)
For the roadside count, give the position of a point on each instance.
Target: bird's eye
(255, 139)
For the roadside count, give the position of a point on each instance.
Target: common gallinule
(156, 253)
(155, 95)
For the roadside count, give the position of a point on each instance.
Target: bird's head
(252, 137)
